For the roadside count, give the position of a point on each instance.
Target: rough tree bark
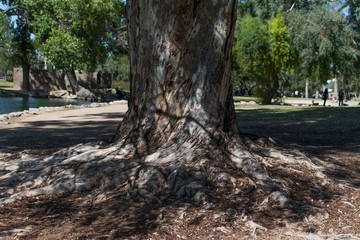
(181, 107)
(180, 71)
(179, 138)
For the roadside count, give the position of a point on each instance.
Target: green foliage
(279, 41)
(4, 31)
(315, 41)
(4, 45)
(64, 50)
(266, 10)
(321, 40)
(21, 47)
(118, 66)
(262, 52)
(252, 48)
(75, 34)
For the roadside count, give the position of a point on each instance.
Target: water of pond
(16, 104)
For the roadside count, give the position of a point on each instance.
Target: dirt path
(60, 129)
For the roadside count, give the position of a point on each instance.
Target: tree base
(255, 186)
(174, 173)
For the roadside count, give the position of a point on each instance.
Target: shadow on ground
(125, 215)
(47, 134)
(330, 133)
(316, 129)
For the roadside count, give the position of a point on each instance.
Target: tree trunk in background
(26, 76)
(307, 83)
(180, 58)
(336, 88)
(71, 81)
(344, 88)
(271, 91)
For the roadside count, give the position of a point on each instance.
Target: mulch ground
(331, 212)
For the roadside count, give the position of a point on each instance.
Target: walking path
(60, 128)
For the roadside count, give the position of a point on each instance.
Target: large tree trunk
(179, 139)
(180, 71)
(181, 110)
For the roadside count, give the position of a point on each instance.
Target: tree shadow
(55, 134)
(124, 214)
(327, 133)
(316, 129)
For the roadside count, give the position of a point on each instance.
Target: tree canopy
(69, 34)
(320, 41)
(75, 34)
(4, 44)
(262, 52)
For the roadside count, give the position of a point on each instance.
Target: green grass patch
(6, 85)
(245, 99)
(334, 119)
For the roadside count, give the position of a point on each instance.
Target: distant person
(325, 95)
(341, 98)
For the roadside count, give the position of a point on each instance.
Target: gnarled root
(186, 172)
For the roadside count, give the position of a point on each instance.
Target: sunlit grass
(245, 99)
(6, 85)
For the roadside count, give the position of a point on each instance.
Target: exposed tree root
(186, 172)
(251, 184)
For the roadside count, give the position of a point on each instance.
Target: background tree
(310, 67)
(118, 66)
(351, 78)
(4, 45)
(263, 52)
(75, 35)
(21, 44)
(251, 51)
(322, 42)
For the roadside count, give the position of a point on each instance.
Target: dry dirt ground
(331, 212)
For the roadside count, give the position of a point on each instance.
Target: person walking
(341, 98)
(325, 95)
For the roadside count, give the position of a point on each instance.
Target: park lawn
(328, 117)
(320, 130)
(6, 85)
